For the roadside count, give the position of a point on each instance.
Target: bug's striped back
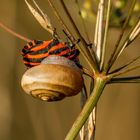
(35, 51)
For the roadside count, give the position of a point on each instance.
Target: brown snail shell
(54, 79)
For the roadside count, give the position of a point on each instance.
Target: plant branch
(100, 29)
(93, 113)
(73, 24)
(98, 46)
(83, 99)
(87, 109)
(66, 29)
(85, 30)
(88, 73)
(134, 79)
(82, 19)
(13, 32)
(112, 59)
(126, 71)
(130, 38)
(105, 34)
(96, 31)
(81, 38)
(71, 37)
(126, 65)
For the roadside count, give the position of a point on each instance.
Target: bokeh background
(25, 118)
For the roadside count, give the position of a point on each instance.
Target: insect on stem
(14, 33)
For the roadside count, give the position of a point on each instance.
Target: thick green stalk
(100, 83)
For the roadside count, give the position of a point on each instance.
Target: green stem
(100, 83)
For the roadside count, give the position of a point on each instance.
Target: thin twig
(85, 30)
(130, 38)
(96, 30)
(135, 32)
(91, 125)
(81, 38)
(126, 65)
(82, 19)
(111, 60)
(95, 47)
(105, 34)
(98, 45)
(100, 29)
(88, 73)
(71, 37)
(133, 79)
(98, 42)
(75, 27)
(83, 101)
(91, 63)
(82, 133)
(125, 71)
(84, 96)
(92, 117)
(14, 33)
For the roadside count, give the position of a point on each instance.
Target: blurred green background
(25, 118)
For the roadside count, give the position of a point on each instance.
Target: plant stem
(125, 65)
(112, 58)
(124, 72)
(105, 35)
(100, 83)
(100, 29)
(71, 37)
(84, 43)
(14, 33)
(82, 19)
(130, 38)
(133, 79)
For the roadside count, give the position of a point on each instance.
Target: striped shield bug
(35, 51)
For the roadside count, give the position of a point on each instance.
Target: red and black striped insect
(35, 51)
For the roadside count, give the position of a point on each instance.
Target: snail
(54, 78)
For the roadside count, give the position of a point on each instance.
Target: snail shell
(54, 79)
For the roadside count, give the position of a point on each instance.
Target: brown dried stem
(85, 49)
(111, 60)
(125, 71)
(14, 33)
(133, 79)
